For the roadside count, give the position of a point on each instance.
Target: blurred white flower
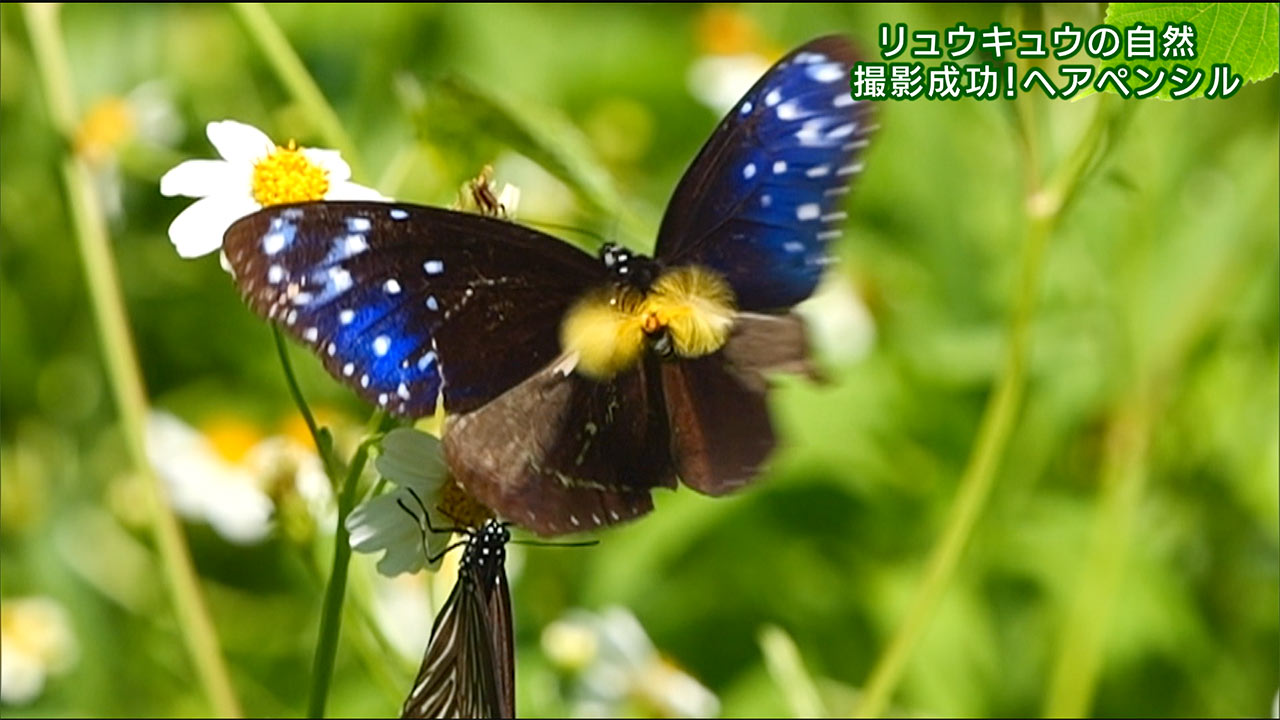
(735, 54)
(145, 117)
(841, 329)
(253, 173)
(412, 461)
(235, 495)
(36, 641)
(618, 669)
(718, 81)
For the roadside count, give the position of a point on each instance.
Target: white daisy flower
(35, 642)
(253, 173)
(412, 461)
(235, 495)
(619, 670)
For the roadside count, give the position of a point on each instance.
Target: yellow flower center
(287, 176)
(456, 504)
(231, 437)
(107, 126)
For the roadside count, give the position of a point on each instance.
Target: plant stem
(122, 364)
(323, 441)
(293, 74)
(1044, 205)
(335, 592)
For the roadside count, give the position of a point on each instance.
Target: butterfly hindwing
(404, 303)
(761, 201)
(562, 453)
(721, 434)
(468, 670)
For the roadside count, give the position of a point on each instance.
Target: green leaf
(1244, 36)
(467, 121)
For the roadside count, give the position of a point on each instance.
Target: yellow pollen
(287, 176)
(459, 506)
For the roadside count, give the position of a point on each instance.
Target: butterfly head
(487, 546)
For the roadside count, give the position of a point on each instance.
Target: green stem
(122, 364)
(323, 441)
(293, 73)
(1123, 477)
(1044, 205)
(335, 592)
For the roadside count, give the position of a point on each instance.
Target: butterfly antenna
(432, 558)
(416, 521)
(566, 228)
(427, 516)
(542, 543)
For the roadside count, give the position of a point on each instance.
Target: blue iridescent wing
(762, 201)
(404, 303)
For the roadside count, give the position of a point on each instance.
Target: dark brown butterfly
(575, 385)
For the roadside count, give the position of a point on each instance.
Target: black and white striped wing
(457, 678)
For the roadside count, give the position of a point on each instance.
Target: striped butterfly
(468, 670)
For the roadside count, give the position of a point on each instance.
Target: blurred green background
(1132, 524)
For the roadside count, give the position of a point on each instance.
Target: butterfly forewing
(403, 302)
(468, 670)
(761, 201)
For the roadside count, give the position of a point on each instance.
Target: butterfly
(468, 670)
(574, 385)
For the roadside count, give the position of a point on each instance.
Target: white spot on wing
(353, 245)
(346, 316)
(766, 200)
(789, 110)
(746, 107)
(433, 267)
(432, 303)
(311, 335)
(358, 224)
(842, 101)
(425, 361)
(403, 391)
(779, 167)
(826, 73)
(273, 243)
(818, 171)
(339, 279)
(275, 274)
(749, 171)
(808, 211)
(348, 369)
(842, 131)
(381, 345)
(391, 287)
(773, 98)
(398, 214)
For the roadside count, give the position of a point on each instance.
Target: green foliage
(1158, 313)
(1245, 36)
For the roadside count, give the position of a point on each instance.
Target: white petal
(201, 178)
(198, 230)
(412, 458)
(331, 161)
(238, 142)
(352, 191)
(381, 524)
